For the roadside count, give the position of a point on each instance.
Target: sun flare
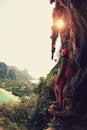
(60, 23)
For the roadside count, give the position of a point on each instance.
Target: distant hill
(13, 72)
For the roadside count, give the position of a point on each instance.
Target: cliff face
(74, 37)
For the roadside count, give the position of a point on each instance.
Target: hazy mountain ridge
(13, 72)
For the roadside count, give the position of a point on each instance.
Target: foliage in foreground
(30, 114)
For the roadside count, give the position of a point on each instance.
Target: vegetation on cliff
(12, 72)
(32, 113)
(16, 81)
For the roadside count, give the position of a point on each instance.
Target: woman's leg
(60, 98)
(56, 94)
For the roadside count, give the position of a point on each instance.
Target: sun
(60, 23)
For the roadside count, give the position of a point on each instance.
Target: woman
(65, 71)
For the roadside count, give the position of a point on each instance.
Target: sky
(25, 30)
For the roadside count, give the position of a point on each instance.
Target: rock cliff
(74, 37)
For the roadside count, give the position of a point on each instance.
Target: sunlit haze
(25, 30)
